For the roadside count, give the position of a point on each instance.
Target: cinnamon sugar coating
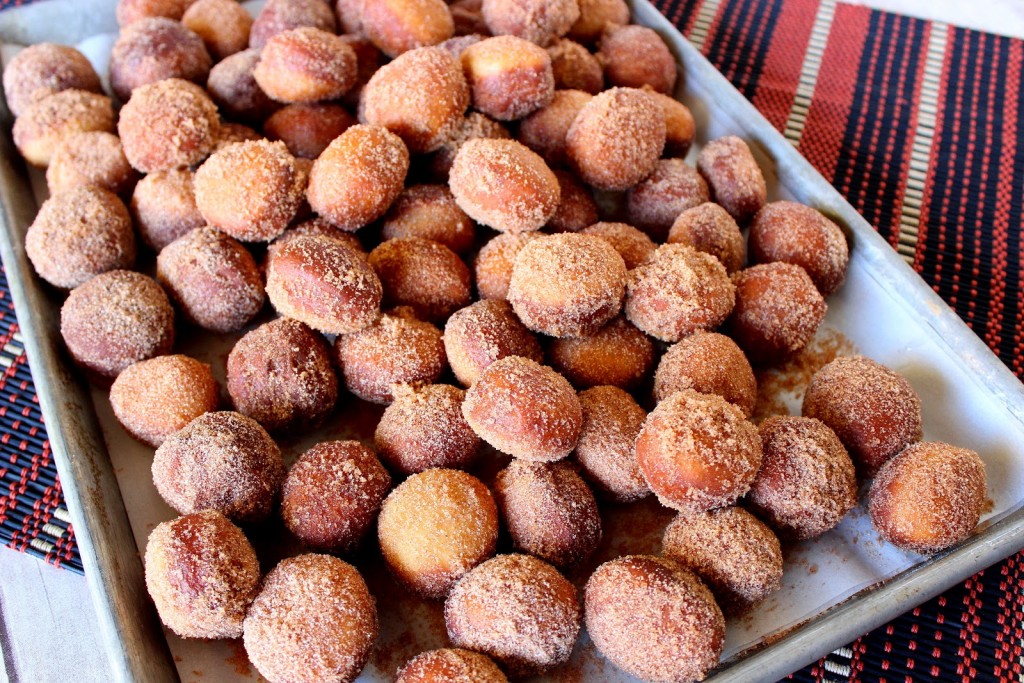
(538, 21)
(483, 332)
(307, 128)
(618, 355)
(575, 68)
(576, 206)
(710, 363)
(654, 204)
(450, 665)
(634, 246)
(220, 461)
(278, 16)
(680, 128)
(45, 123)
(544, 131)
(316, 226)
(305, 65)
(202, 574)
(709, 228)
(314, 621)
(492, 268)
(611, 422)
(154, 49)
(634, 56)
(236, 92)
(222, 24)
(332, 493)
(735, 179)
(44, 69)
(130, 11)
(473, 125)
(595, 15)
(509, 77)
(430, 212)
(89, 158)
(422, 274)
(424, 428)
(397, 26)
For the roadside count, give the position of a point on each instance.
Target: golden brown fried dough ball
(616, 139)
(430, 212)
(524, 409)
(154, 398)
(474, 125)
(397, 26)
(576, 206)
(314, 621)
(325, 283)
(538, 21)
(212, 278)
(450, 664)
(544, 130)
(222, 24)
(929, 497)
(202, 574)
(697, 452)
(421, 96)
(656, 201)
(654, 619)
(574, 68)
(518, 610)
(168, 124)
(549, 511)
(493, 265)
(115, 320)
(230, 133)
(807, 482)
(78, 234)
(798, 234)
(633, 246)
(130, 11)
(710, 228)
(735, 179)
(90, 158)
(396, 349)
(233, 88)
(44, 69)
(738, 556)
(680, 128)
(504, 185)
(483, 332)
(611, 422)
(332, 493)
(873, 410)
(250, 190)
(307, 128)
(155, 49)
(164, 207)
(567, 285)
(45, 123)
(710, 363)
(368, 60)
(678, 291)
(278, 16)
(316, 226)
(778, 310)
(358, 176)
(424, 428)
(435, 527)
(305, 65)
(509, 77)
(595, 15)
(634, 56)
(422, 274)
(618, 354)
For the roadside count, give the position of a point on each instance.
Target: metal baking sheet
(834, 589)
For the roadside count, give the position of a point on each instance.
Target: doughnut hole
(576, 206)
(305, 65)
(873, 410)
(594, 16)
(424, 428)
(450, 664)
(421, 97)
(508, 77)
(544, 130)
(164, 207)
(78, 234)
(677, 292)
(429, 212)
(397, 26)
(633, 246)
(611, 422)
(278, 16)
(654, 619)
(331, 495)
(358, 176)
(517, 609)
(778, 310)
(618, 355)
(313, 620)
(710, 228)
(45, 123)
(710, 363)
(396, 349)
(154, 49)
(483, 332)
(435, 527)
(655, 203)
(236, 92)
(212, 279)
(524, 409)
(230, 133)
(798, 234)
(168, 124)
(733, 551)
(697, 452)
(616, 139)
(680, 128)
(154, 398)
(473, 125)
(549, 511)
(43, 69)
(634, 56)
(538, 21)
(319, 227)
(222, 24)
(220, 461)
(807, 483)
(735, 179)
(89, 158)
(492, 268)
(567, 285)
(202, 574)
(574, 68)
(422, 274)
(929, 497)
(368, 60)
(130, 11)
(307, 128)
(114, 320)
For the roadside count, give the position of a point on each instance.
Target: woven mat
(920, 126)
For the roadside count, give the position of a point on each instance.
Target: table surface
(46, 615)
